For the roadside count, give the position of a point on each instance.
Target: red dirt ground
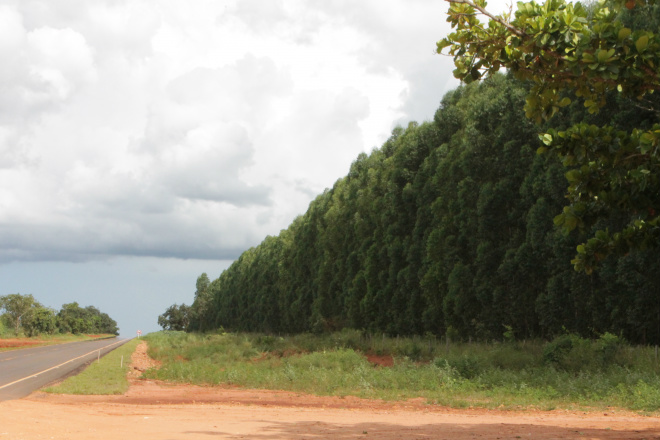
(26, 342)
(152, 410)
(381, 361)
(13, 343)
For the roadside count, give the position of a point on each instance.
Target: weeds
(565, 372)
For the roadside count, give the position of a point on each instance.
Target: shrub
(607, 347)
(556, 351)
(467, 366)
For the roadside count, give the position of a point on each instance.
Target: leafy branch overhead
(569, 51)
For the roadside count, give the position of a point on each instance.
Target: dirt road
(157, 411)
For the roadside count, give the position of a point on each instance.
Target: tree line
(447, 228)
(24, 313)
(469, 225)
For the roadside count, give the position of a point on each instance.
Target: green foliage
(78, 320)
(607, 347)
(103, 377)
(176, 317)
(446, 230)
(509, 335)
(17, 307)
(488, 375)
(3, 327)
(41, 320)
(558, 46)
(23, 311)
(573, 353)
(468, 367)
(556, 351)
(571, 53)
(200, 313)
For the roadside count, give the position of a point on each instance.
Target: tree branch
(491, 16)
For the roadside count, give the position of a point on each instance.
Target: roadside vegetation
(105, 376)
(568, 372)
(470, 227)
(24, 316)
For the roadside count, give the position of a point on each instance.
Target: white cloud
(192, 130)
(146, 140)
(42, 69)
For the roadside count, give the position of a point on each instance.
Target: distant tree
(24, 311)
(40, 320)
(75, 319)
(176, 317)
(17, 307)
(202, 306)
(107, 325)
(71, 318)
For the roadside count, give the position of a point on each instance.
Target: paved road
(24, 371)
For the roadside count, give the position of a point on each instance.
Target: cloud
(390, 35)
(193, 130)
(198, 135)
(293, 21)
(41, 69)
(336, 116)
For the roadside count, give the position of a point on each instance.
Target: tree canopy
(23, 311)
(176, 317)
(17, 307)
(568, 51)
(447, 228)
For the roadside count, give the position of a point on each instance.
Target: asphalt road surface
(26, 370)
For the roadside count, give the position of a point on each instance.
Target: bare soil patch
(153, 410)
(28, 342)
(140, 362)
(380, 361)
(19, 342)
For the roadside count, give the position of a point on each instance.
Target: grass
(107, 376)
(578, 373)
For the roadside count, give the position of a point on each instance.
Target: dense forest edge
(24, 315)
(450, 228)
(445, 229)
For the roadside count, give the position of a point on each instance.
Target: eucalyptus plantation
(448, 227)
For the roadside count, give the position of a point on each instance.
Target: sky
(144, 142)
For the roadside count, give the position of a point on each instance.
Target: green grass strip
(590, 374)
(107, 376)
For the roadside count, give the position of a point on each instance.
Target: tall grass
(559, 374)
